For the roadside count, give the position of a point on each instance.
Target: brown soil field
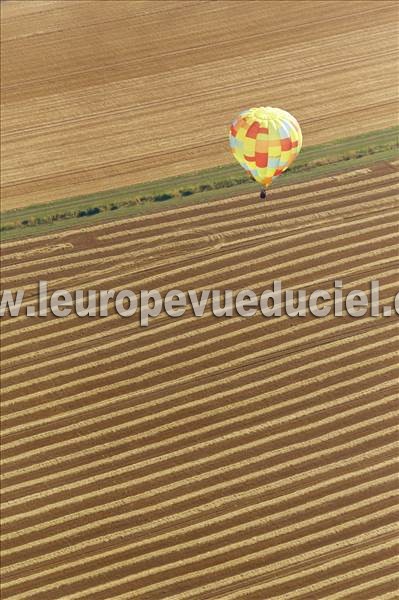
(206, 458)
(99, 95)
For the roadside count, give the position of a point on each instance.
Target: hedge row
(115, 205)
(182, 193)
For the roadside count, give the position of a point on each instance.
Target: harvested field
(207, 458)
(98, 97)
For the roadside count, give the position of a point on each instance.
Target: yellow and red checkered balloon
(265, 141)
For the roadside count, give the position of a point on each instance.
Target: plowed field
(207, 458)
(99, 95)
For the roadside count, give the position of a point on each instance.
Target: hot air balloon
(265, 141)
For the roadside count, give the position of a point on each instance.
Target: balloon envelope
(265, 141)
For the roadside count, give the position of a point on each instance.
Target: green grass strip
(207, 185)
